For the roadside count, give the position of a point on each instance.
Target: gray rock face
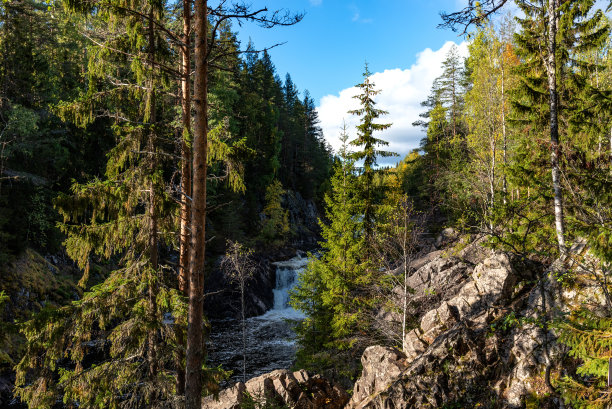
(414, 345)
(282, 387)
(452, 355)
(380, 365)
(465, 354)
(303, 218)
(225, 299)
(494, 278)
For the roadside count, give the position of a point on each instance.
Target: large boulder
(381, 366)
(230, 398)
(281, 387)
(495, 278)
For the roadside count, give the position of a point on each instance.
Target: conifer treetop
(369, 113)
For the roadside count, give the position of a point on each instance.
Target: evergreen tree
(368, 145)
(275, 226)
(445, 143)
(549, 86)
(315, 161)
(450, 91)
(127, 216)
(332, 289)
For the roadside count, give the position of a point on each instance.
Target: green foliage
(275, 226)
(333, 290)
(368, 148)
(444, 183)
(5, 329)
(123, 321)
(588, 336)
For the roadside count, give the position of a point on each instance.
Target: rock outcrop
(454, 356)
(303, 218)
(379, 365)
(480, 338)
(483, 337)
(282, 387)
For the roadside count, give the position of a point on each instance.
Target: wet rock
(303, 218)
(225, 299)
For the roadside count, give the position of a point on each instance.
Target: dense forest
(143, 148)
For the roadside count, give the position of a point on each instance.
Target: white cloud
(357, 15)
(315, 2)
(402, 91)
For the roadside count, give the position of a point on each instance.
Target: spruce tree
(331, 290)
(275, 226)
(451, 91)
(368, 145)
(549, 86)
(125, 217)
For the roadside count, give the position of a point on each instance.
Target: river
(270, 340)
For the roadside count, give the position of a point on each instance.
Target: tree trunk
(551, 69)
(405, 300)
(195, 337)
(503, 120)
(492, 177)
(242, 288)
(185, 216)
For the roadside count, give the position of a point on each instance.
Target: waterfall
(270, 343)
(287, 273)
(286, 278)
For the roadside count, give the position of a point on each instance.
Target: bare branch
(475, 13)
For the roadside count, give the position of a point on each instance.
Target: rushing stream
(269, 336)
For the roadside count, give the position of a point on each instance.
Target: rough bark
(195, 339)
(185, 215)
(551, 70)
(186, 192)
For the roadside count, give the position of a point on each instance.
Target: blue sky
(326, 51)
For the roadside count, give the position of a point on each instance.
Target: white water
(270, 343)
(287, 273)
